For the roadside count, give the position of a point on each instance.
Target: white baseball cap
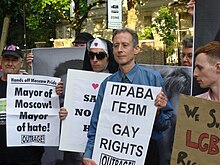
(98, 43)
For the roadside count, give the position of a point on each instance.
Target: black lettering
(181, 157)
(149, 94)
(212, 114)
(18, 91)
(190, 112)
(131, 92)
(139, 93)
(86, 98)
(85, 128)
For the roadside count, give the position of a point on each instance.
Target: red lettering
(211, 146)
(213, 149)
(205, 146)
(189, 143)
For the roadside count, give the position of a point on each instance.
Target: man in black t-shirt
(12, 61)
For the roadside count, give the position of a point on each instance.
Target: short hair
(212, 50)
(187, 42)
(130, 31)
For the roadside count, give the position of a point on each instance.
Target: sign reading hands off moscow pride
(197, 132)
(32, 111)
(80, 97)
(125, 124)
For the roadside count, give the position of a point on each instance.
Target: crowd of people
(118, 58)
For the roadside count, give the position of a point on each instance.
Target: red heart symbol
(95, 85)
(96, 43)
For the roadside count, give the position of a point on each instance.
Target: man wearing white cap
(98, 58)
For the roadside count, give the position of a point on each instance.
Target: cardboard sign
(197, 132)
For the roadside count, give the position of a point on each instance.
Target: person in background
(187, 50)
(207, 70)
(125, 49)
(82, 39)
(98, 58)
(12, 61)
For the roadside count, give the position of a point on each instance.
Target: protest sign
(32, 111)
(81, 91)
(125, 124)
(2, 111)
(197, 132)
(62, 60)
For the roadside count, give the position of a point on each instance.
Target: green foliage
(146, 34)
(46, 12)
(41, 17)
(165, 25)
(53, 11)
(11, 7)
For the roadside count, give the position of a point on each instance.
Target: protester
(98, 58)
(187, 51)
(12, 61)
(125, 49)
(82, 38)
(207, 70)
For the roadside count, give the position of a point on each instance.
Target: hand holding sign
(63, 113)
(160, 101)
(87, 161)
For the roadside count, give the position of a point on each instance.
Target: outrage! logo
(110, 160)
(32, 139)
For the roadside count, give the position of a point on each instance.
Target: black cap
(12, 50)
(83, 37)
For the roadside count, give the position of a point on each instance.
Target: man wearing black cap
(12, 61)
(82, 38)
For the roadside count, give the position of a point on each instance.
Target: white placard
(125, 124)
(32, 111)
(81, 90)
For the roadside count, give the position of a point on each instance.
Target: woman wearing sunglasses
(99, 56)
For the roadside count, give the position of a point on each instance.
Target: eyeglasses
(99, 55)
(187, 55)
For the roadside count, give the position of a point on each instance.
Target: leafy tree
(165, 25)
(53, 11)
(9, 9)
(146, 34)
(41, 17)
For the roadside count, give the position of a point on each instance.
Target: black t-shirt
(15, 155)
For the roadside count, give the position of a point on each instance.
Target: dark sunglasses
(99, 55)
